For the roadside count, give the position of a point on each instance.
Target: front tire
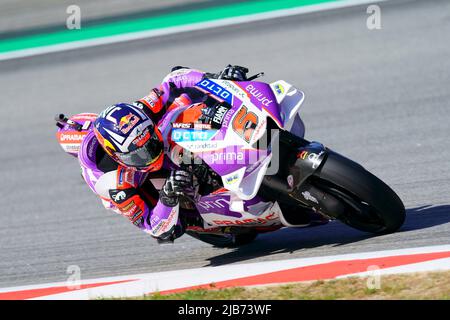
(370, 204)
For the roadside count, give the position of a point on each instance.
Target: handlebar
(62, 120)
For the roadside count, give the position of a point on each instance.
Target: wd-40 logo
(215, 89)
(183, 135)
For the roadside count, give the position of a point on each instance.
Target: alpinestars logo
(120, 196)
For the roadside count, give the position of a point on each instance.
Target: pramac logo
(71, 137)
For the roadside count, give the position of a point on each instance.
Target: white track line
(160, 281)
(190, 27)
(428, 266)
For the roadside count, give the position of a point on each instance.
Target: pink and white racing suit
(129, 192)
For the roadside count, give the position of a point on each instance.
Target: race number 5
(244, 123)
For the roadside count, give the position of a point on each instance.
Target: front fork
(292, 184)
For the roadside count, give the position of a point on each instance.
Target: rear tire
(370, 204)
(228, 240)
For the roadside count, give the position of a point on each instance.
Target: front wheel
(368, 203)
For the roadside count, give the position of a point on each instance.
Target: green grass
(430, 285)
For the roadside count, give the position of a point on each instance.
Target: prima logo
(258, 95)
(227, 157)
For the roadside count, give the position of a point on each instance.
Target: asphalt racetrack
(380, 97)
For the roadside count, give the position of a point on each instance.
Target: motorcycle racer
(126, 148)
(202, 137)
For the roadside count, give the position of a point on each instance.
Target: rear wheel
(226, 240)
(369, 204)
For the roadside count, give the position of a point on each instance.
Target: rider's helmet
(130, 137)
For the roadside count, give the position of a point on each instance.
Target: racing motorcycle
(253, 170)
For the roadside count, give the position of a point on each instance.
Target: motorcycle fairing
(243, 124)
(280, 101)
(224, 209)
(289, 99)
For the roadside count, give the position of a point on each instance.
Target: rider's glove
(176, 184)
(235, 73)
(178, 67)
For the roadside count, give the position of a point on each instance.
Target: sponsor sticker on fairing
(200, 146)
(216, 89)
(232, 179)
(279, 89)
(236, 90)
(202, 126)
(226, 119)
(219, 114)
(228, 157)
(258, 95)
(182, 125)
(71, 136)
(182, 135)
(190, 125)
(269, 219)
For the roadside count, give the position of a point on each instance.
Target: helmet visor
(144, 155)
